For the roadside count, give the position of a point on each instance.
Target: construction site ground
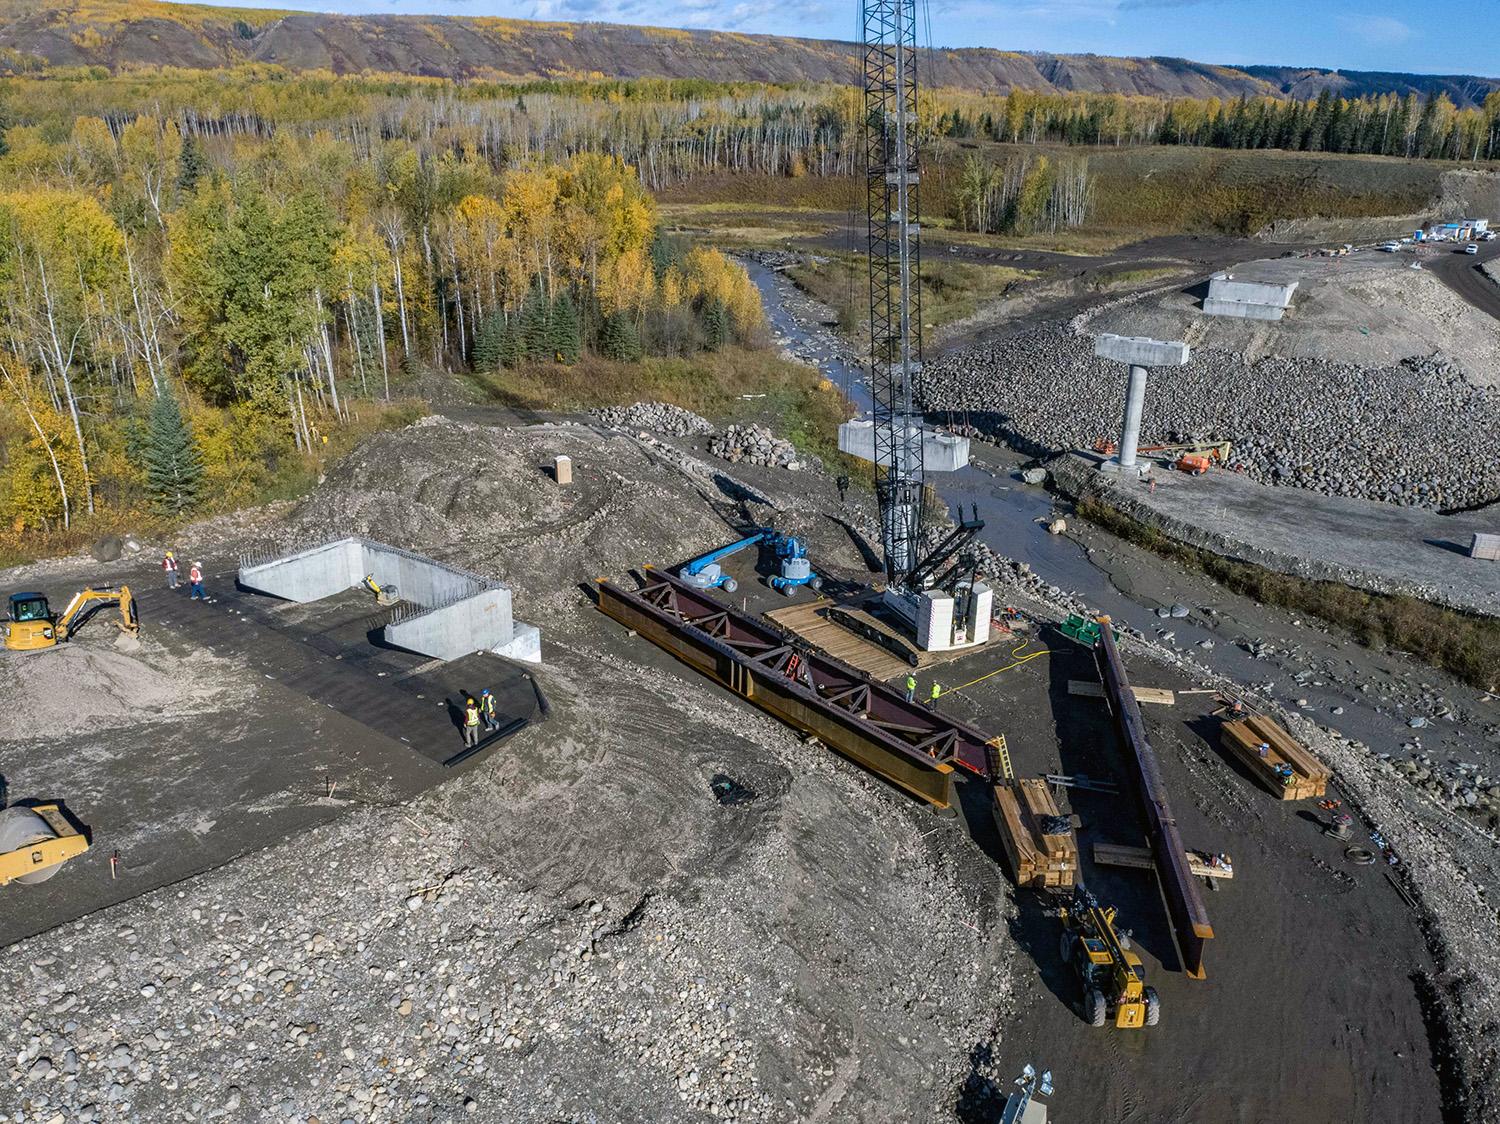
(590, 923)
(233, 724)
(1377, 546)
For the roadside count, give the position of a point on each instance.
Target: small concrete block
(562, 469)
(1139, 351)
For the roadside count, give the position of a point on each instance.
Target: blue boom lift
(795, 569)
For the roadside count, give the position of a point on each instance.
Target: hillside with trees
(126, 34)
(185, 311)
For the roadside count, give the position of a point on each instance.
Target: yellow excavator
(1114, 982)
(31, 624)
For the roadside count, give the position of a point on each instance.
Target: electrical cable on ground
(1014, 652)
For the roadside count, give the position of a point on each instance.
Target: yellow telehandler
(31, 624)
(1114, 981)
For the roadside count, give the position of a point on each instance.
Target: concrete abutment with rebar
(445, 612)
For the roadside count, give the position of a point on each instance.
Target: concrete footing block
(941, 452)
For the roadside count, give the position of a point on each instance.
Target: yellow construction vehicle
(35, 842)
(384, 594)
(1114, 982)
(31, 624)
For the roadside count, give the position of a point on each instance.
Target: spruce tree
(486, 350)
(618, 339)
(174, 467)
(191, 165)
(562, 330)
(715, 325)
(536, 313)
(511, 351)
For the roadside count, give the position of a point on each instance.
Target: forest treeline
(672, 130)
(183, 311)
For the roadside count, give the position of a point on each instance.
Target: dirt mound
(85, 685)
(484, 498)
(1370, 309)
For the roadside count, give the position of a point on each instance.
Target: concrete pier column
(1139, 354)
(1135, 401)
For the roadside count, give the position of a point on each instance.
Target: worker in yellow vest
(487, 708)
(937, 693)
(911, 688)
(471, 723)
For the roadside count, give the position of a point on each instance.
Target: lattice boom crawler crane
(940, 599)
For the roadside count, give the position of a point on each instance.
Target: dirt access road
(1461, 273)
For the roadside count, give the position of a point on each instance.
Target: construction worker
(842, 483)
(471, 723)
(195, 582)
(911, 687)
(934, 695)
(487, 708)
(169, 564)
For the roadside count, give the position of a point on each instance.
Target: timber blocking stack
(1308, 777)
(1038, 840)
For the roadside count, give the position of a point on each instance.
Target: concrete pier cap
(1141, 351)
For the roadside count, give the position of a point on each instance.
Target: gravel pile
(655, 417)
(1414, 433)
(755, 444)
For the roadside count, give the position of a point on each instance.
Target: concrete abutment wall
(446, 612)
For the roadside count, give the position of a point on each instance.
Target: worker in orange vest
(169, 564)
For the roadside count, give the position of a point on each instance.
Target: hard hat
(170, 554)
(485, 691)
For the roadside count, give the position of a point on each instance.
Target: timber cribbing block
(1040, 856)
(1309, 777)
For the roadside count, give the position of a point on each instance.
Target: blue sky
(1446, 37)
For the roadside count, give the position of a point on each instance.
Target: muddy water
(1118, 579)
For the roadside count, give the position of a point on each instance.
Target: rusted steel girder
(873, 725)
(1179, 886)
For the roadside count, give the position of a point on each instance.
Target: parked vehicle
(1471, 249)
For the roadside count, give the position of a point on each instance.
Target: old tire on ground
(20, 828)
(1153, 1007)
(1094, 1007)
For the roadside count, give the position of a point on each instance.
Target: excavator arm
(87, 602)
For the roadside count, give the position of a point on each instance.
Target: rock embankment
(755, 444)
(1405, 434)
(655, 417)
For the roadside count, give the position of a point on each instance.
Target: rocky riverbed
(1413, 433)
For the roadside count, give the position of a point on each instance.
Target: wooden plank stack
(1038, 841)
(1309, 777)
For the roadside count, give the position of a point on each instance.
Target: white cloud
(1377, 31)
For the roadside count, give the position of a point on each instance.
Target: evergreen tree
(191, 165)
(533, 327)
(511, 350)
(487, 340)
(715, 325)
(618, 339)
(174, 467)
(562, 329)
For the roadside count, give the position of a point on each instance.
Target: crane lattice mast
(890, 84)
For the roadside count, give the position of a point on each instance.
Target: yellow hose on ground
(1017, 661)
